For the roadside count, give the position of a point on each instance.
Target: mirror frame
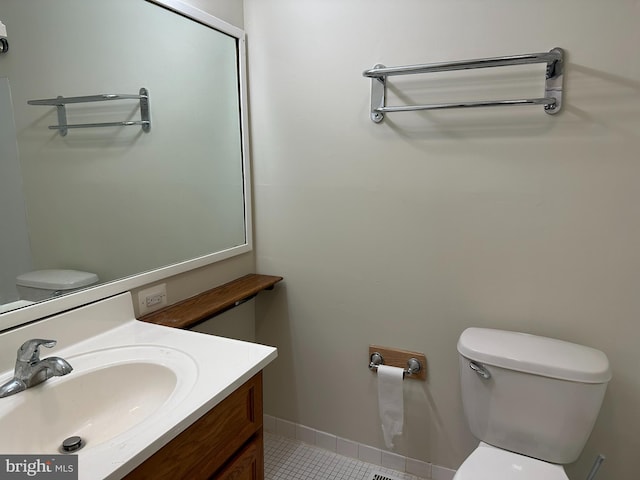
(20, 316)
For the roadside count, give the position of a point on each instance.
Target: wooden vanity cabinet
(224, 444)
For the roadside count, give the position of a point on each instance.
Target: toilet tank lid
(56, 279)
(527, 353)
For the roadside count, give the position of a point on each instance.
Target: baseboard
(349, 448)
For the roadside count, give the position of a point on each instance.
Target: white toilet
(531, 401)
(43, 284)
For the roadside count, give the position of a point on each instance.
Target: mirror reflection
(105, 203)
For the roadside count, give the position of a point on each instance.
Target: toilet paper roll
(390, 402)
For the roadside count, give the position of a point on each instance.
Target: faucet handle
(30, 350)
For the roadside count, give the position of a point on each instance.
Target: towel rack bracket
(62, 118)
(145, 117)
(554, 79)
(378, 95)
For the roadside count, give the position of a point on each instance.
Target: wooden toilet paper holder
(413, 363)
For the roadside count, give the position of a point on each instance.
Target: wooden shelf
(199, 308)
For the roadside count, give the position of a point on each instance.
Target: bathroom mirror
(130, 205)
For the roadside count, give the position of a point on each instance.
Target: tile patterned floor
(288, 459)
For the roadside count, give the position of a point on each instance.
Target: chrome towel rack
(552, 99)
(61, 102)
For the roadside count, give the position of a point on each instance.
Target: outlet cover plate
(152, 298)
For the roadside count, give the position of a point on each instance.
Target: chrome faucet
(30, 370)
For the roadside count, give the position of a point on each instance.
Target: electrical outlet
(152, 298)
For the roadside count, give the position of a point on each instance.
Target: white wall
(407, 232)
(231, 11)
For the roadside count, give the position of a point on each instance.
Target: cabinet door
(210, 442)
(247, 464)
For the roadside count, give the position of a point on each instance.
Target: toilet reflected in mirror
(44, 284)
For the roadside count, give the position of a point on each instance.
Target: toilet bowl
(531, 401)
(491, 463)
(44, 284)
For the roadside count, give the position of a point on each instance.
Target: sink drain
(71, 444)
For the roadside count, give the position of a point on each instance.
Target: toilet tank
(542, 396)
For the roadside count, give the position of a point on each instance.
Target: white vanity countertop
(221, 366)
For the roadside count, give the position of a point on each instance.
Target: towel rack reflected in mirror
(60, 102)
(552, 99)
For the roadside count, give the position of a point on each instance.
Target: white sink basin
(108, 392)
